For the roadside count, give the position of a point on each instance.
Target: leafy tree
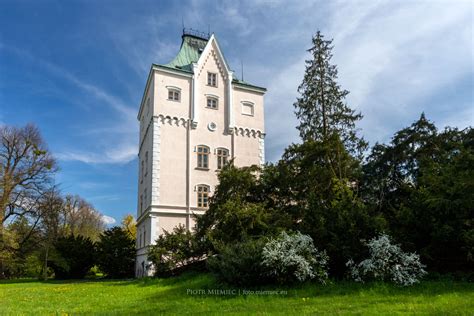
(236, 211)
(74, 256)
(130, 226)
(116, 253)
(423, 183)
(26, 169)
(80, 218)
(174, 250)
(240, 263)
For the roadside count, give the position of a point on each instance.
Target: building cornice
(248, 87)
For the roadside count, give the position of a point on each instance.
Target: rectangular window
(212, 103)
(203, 157)
(142, 171)
(247, 108)
(174, 95)
(222, 156)
(202, 196)
(212, 79)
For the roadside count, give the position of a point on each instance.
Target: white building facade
(194, 117)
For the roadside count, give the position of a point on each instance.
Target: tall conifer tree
(321, 107)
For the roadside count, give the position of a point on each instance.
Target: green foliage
(73, 257)
(236, 211)
(321, 107)
(423, 182)
(116, 253)
(240, 263)
(172, 251)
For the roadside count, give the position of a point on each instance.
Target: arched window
(202, 156)
(174, 94)
(202, 195)
(222, 157)
(247, 108)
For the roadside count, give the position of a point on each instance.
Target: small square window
(174, 95)
(212, 79)
(212, 103)
(247, 108)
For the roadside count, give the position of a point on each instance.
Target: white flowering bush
(294, 257)
(387, 262)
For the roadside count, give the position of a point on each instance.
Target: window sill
(208, 107)
(210, 85)
(247, 114)
(203, 169)
(177, 101)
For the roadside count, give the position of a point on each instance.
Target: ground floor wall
(157, 221)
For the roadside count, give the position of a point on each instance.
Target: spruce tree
(321, 107)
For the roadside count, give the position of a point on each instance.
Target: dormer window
(212, 79)
(212, 103)
(247, 108)
(174, 94)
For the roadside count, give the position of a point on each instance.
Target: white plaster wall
(167, 107)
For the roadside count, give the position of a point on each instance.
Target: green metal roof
(189, 53)
(191, 48)
(246, 84)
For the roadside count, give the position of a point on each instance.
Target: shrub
(116, 253)
(73, 257)
(173, 251)
(290, 258)
(239, 263)
(387, 262)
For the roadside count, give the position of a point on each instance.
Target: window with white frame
(212, 103)
(202, 195)
(174, 94)
(247, 108)
(212, 79)
(202, 157)
(222, 157)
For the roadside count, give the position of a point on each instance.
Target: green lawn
(172, 296)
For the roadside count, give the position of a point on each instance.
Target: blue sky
(77, 69)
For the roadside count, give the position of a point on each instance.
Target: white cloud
(108, 220)
(122, 153)
(112, 148)
(392, 56)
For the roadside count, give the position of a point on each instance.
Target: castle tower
(194, 117)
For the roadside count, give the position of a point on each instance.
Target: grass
(173, 296)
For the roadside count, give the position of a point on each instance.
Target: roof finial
(209, 30)
(242, 67)
(182, 23)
